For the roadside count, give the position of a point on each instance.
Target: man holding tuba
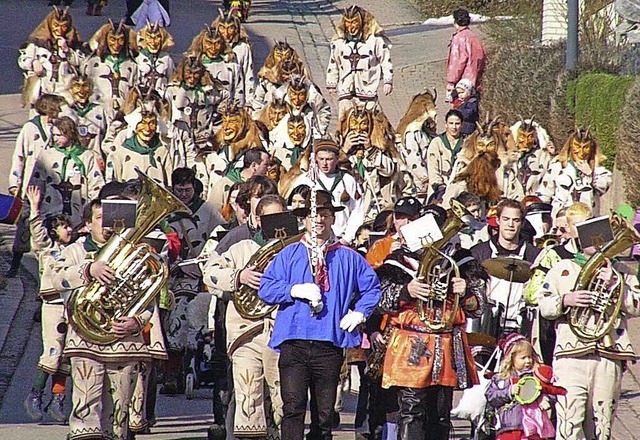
(591, 367)
(255, 364)
(425, 362)
(103, 375)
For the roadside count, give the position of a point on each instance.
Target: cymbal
(508, 268)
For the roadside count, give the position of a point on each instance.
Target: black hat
(323, 201)
(409, 206)
(544, 208)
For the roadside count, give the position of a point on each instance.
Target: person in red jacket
(467, 55)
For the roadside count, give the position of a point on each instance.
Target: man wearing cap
(467, 55)
(324, 292)
(406, 210)
(345, 191)
(507, 243)
(427, 365)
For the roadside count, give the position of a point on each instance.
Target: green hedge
(629, 144)
(597, 100)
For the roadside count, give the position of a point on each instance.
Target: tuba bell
(594, 323)
(140, 273)
(245, 299)
(436, 269)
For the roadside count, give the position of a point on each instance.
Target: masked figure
(155, 66)
(416, 130)
(486, 166)
(576, 174)
(368, 140)
(533, 144)
(281, 64)
(220, 61)
(360, 59)
(88, 115)
(271, 115)
(144, 144)
(292, 140)
(194, 98)
(234, 34)
(237, 134)
(48, 56)
(304, 97)
(112, 67)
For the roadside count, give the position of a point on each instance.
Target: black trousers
(308, 365)
(424, 411)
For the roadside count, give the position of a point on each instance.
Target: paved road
(419, 55)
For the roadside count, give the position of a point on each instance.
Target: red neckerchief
(320, 272)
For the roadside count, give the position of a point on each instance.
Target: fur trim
(98, 42)
(370, 27)
(42, 37)
(167, 39)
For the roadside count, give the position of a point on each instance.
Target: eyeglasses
(183, 190)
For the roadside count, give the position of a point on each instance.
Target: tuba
(593, 323)
(435, 269)
(140, 273)
(245, 299)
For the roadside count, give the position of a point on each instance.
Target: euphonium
(245, 299)
(436, 269)
(140, 273)
(593, 323)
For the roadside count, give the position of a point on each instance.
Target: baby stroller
(206, 364)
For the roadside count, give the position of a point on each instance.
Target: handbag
(10, 209)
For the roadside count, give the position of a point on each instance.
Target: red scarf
(320, 271)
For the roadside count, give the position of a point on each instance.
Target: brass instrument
(140, 273)
(593, 323)
(375, 361)
(245, 299)
(436, 269)
(547, 240)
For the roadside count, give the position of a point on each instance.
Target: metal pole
(571, 57)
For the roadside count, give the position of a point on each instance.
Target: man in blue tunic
(321, 305)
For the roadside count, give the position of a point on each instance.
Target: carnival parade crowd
(266, 255)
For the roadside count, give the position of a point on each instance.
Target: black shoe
(12, 272)
(33, 404)
(55, 408)
(216, 432)
(336, 420)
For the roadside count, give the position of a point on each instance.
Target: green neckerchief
(447, 145)
(153, 57)
(197, 90)
(259, 238)
(580, 258)
(117, 61)
(82, 112)
(353, 39)
(134, 144)
(90, 245)
(193, 205)
(296, 152)
(234, 175)
(336, 180)
(360, 167)
(207, 60)
(71, 154)
(37, 121)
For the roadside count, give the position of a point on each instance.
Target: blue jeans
(308, 365)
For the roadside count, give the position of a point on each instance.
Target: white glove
(307, 291)
(351, 320)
